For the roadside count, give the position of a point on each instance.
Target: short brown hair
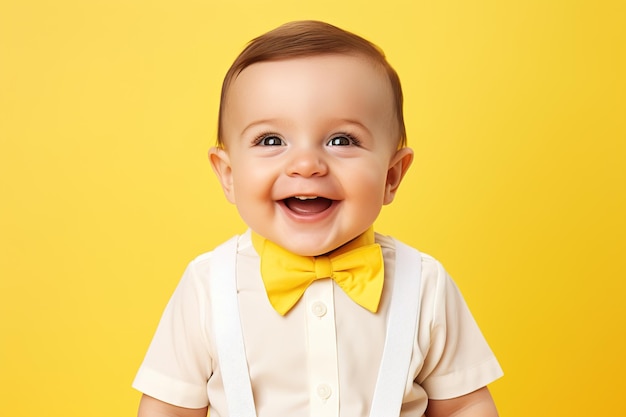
(307, 38)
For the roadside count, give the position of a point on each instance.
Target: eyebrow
(335, 121)
(258, 122)
(356, 122)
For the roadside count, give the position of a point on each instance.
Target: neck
(364, 239)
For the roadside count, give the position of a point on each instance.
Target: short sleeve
(177, 366)
(458, 360)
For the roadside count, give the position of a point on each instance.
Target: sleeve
(458, 359)
(177, 366)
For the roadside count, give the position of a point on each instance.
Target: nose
(306, 163)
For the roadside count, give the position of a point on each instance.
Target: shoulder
(236, 245)
(431, 267)
(435, 284)
(222, 259)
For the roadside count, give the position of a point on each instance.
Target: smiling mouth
(307, 204)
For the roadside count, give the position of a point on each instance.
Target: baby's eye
(343, 140)
(269, 140)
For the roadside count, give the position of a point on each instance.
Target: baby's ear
(398, 166)
(220, 162)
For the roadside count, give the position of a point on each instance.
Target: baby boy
(311, 313)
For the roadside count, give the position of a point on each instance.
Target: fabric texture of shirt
(321, 358)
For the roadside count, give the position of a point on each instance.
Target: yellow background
(517, 113)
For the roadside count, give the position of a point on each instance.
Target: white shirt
(321, 358)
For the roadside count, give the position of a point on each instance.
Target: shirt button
(318, 309)
(323, 391)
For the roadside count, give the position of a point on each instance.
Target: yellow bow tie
(356, 267)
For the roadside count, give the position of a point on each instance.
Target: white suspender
(228, 334)
(401, 332)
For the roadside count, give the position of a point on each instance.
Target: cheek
(251, 183)
(370, 184)
(366, 195)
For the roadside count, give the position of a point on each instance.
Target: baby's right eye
(269, 140)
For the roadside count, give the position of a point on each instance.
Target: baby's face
(310, 151)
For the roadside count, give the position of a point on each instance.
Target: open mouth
(307, 204)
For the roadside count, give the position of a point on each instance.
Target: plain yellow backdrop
(516, 111)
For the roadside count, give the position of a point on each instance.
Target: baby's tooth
(304, 197)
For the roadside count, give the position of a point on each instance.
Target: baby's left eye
(341, 141)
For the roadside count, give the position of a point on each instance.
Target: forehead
(322, 86)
